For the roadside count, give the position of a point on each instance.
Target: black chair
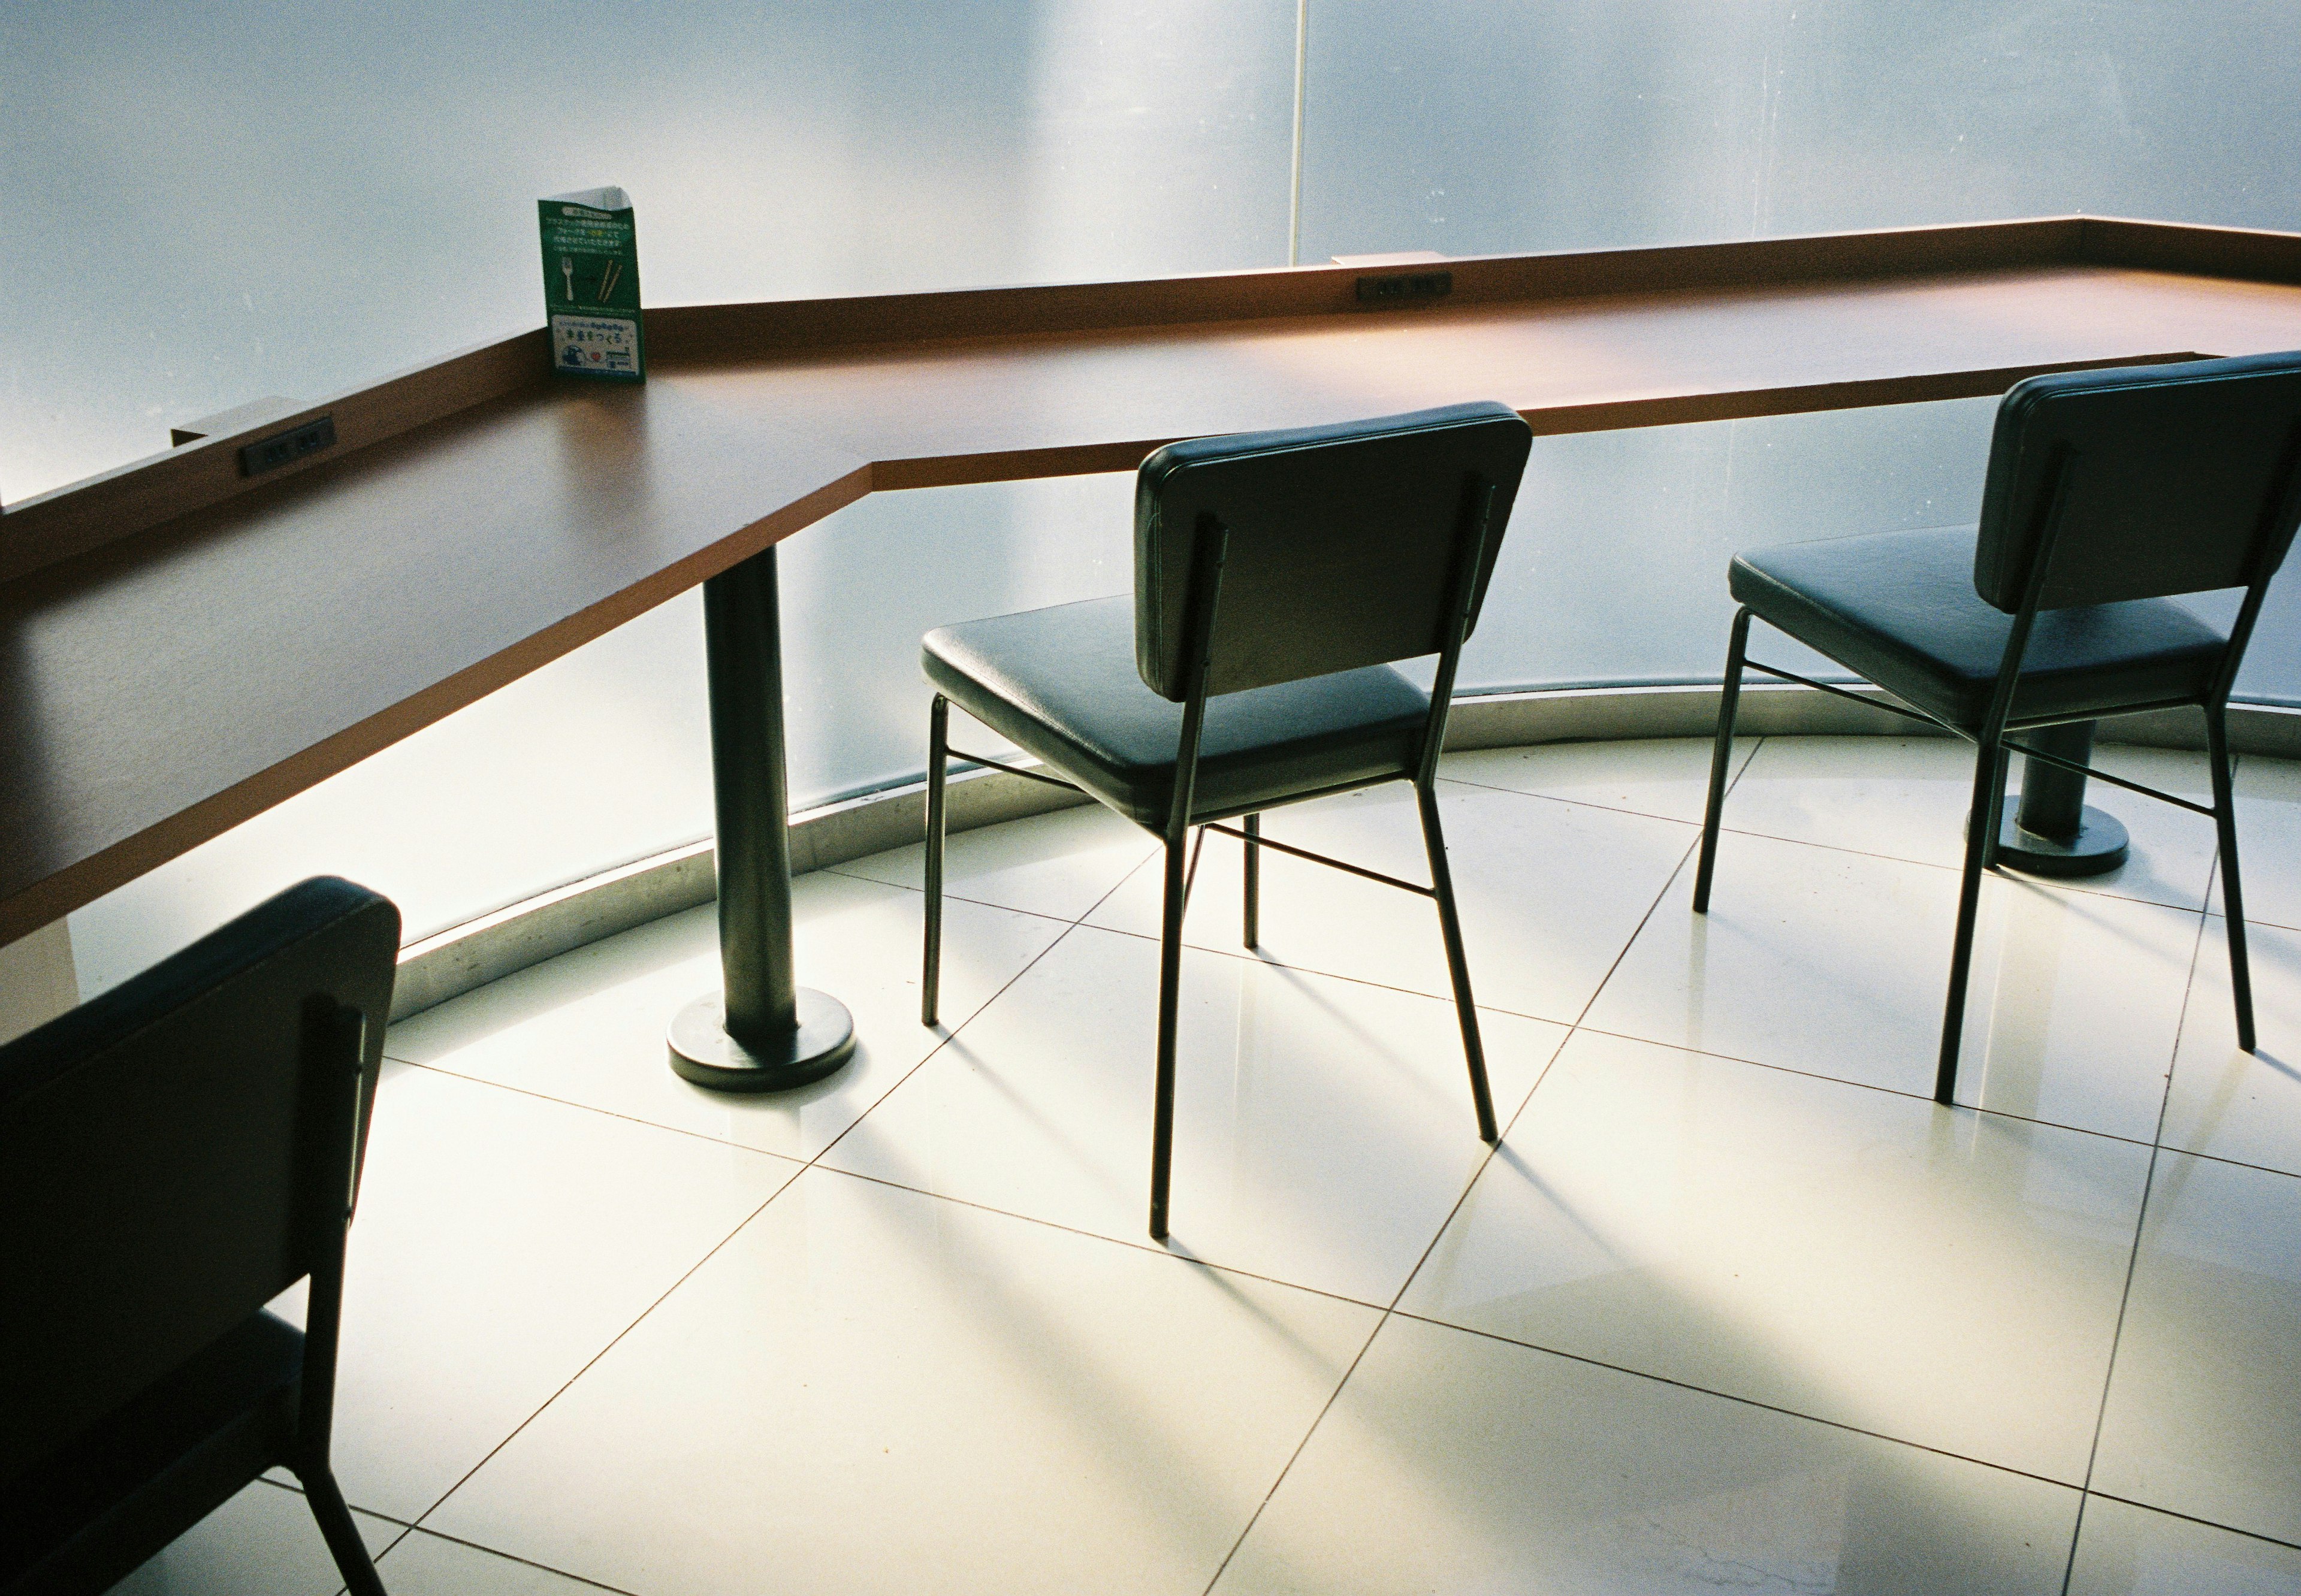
(1277, 577)
(173, 1155)
(2108, 493)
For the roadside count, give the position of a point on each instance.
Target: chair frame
(1209, 550)
(336, 1050)
(1994, 746)
(333, 1052)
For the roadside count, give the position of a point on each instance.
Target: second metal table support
(763, 1032)
(2054, 831)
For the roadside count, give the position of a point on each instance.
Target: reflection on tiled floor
(1735, 1306)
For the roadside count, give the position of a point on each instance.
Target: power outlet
(285, 448)
(1405, 288)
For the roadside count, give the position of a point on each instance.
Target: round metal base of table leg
(2098, 848)
(702, 1052)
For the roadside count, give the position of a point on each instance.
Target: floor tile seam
(1438, 1234)
(1575, 803)
(497, 1551)
(2077, 1535)
(2213, 881)
(611, 1343)
(2004, 873)
(2268, 1169)
(2141, 1220)
(1294, 1457)
(1502, 1131)
(1739, 1400)
(632, 1119)
(1676, 871)
(2211, 1524)
(296, 1489)
(1573, 1030)
(1891, 1092)
(979, 1010)
(1259, 956)
(981, 903)
(2125, 1304)
(1486, 1162)
(1148, 1249)
(384, 1552)
(804, 1164)
(401, 1529)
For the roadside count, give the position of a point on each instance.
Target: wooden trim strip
(143, 494)
(132, 499)
(2258, 256)
(721, 334)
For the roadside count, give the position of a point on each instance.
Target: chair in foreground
(173, 1155)
(2109, 493)
(1278, 577)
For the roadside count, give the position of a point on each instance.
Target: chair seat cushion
(1900, 608)
(1062, 683)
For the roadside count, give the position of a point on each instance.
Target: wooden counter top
(181, 647)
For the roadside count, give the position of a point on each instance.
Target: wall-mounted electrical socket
(1404, 287)
(284, 448)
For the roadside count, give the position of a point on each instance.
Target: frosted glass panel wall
(211, 202)
(1492, 126)
(207, 205)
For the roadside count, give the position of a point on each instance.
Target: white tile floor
(1734, 1306)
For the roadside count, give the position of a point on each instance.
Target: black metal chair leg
(1980, 828)
(1458, 966)
(1729, 699)
(343, 1538)
(2233, 894)
(1170, 988)
(1253, 876)
(938, 755)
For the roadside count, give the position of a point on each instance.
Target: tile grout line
(1724, 830)
(1891, 1092)
(614, 1341)
(401, 1530)
(1438, 1234)
(736, 1231)
(1727, 1396)
(1571, 1027)
(1584, 803)
(509, 1557)
(981, 1008)
(1574, 1029)
(1644, 920)
(950, 897)
(2140, 1227)
(1079, 921)
(2004, 871)
(806, 1163)
(2111, 1496)
(614, 1114)
(1286, 1468)
(1148, 1249)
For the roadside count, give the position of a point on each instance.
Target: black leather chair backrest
(2181, 480)
(168, 1158)
(1344, 541)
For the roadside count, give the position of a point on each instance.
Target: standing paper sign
(591, 284)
